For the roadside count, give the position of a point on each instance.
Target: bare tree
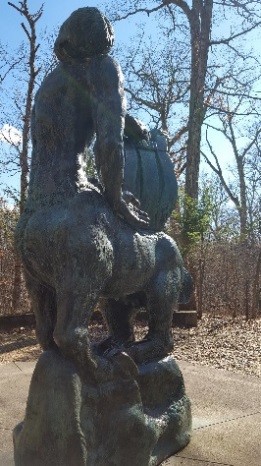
(27, 61)
(29, 27)
(199, 16)
(242, 194)
(156, 84)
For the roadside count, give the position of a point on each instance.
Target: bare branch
(227, 40)
(142, 10)
(178, 135)
(164, 3)
(218, 171)
(26, 31)
(10, 68)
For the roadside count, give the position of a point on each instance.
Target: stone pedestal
(72, 422)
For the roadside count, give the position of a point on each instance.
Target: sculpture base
(72, 422)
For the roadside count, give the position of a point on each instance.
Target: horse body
(75, 249)
(78, 251)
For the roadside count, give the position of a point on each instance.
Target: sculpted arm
(109, 130)
(109, 151)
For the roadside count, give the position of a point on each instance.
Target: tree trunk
(17, 285)
(30, 31)
(256, 289)
(243, 199)
(200, 20)
(200, 26)
(247, 309)
(201, 277)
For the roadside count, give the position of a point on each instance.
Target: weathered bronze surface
(91, 405)
(132, 421)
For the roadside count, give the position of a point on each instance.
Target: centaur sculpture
(78, 244)
(122, 402)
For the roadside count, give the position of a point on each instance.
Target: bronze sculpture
(79, 243)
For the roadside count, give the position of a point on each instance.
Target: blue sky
(55, 12)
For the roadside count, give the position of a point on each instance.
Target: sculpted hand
(130, 198)
(131, 212)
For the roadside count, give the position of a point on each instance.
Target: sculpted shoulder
(110, 71)
(53, 81)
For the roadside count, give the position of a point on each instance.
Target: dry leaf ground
(219, 342)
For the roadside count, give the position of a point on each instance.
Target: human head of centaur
(85, 34)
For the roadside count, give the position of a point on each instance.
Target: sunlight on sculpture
(119, 402)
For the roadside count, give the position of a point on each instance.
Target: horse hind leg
(72, 338)
(74, 308)
(43, 304)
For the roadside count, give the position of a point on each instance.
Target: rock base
(72, 422)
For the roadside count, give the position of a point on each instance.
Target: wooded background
(191, 71)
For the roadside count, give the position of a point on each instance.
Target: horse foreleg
(162, 297)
